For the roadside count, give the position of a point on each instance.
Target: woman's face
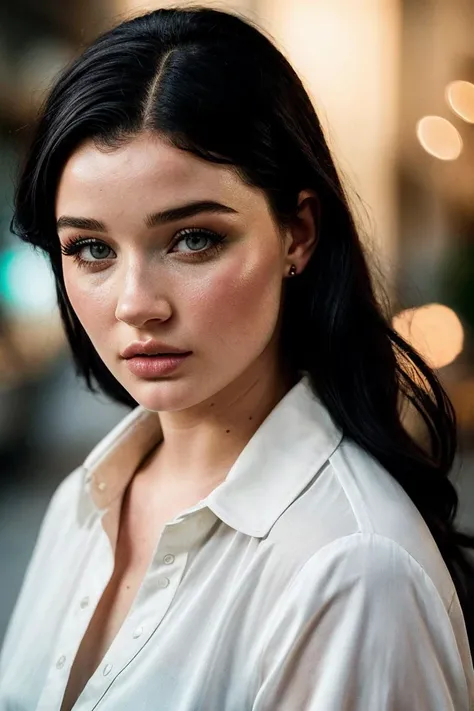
(209, 283)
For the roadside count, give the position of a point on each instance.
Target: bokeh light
(434, 330)
(26, 282)
(439, 137)
(460, 97)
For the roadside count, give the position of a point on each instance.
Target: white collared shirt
(306, 581)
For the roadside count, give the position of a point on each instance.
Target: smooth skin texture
(142, 281)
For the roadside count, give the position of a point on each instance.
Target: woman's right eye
(98, 251)
(79, 248)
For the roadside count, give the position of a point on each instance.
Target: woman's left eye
(196, 240)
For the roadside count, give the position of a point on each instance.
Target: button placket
(147, 613)
(71, 634)
(162, 583)
(137, 632)
(73, 629)
(107, 669)
(61, 662)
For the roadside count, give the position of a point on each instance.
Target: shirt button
(137, 632)
(107, 669)
(84, 602)
(168, 559)
(163, 582)
(61, 661)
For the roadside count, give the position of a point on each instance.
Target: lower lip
(153, 366)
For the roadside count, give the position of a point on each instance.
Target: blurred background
(393, 83)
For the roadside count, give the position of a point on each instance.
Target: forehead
(149, 167)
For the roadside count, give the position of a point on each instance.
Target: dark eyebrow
(80, 223)
(188, 210)
(156, 218)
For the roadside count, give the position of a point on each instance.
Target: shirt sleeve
(361, 628)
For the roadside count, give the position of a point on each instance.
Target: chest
(140, 529)
(106, 621)
(195, 650)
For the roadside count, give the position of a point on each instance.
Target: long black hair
(213, 84)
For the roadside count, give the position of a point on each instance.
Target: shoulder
(356, 508)
(365, 585)
(65, 496)
(383, 508)
(48, 549)
(60, 515)
(68, 488)
(362, 614)
(367, 561)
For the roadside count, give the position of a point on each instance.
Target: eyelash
(74, 245)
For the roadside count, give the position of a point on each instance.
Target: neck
(200, 444)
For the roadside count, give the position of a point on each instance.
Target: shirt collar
(278, 462)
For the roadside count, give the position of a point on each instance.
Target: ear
(302, 234)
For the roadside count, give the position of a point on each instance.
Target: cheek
(91, 306)
(239, 301)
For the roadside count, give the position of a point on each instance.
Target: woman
(260, 532)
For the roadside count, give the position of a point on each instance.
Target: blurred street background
(393, 83)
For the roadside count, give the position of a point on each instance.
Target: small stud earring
(292, 271)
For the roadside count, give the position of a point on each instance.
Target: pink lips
(155, 365)
(151, 348)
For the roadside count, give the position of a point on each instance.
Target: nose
(139, 300)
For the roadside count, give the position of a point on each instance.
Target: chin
(164, 394)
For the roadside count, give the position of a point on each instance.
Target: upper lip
(149, 348)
